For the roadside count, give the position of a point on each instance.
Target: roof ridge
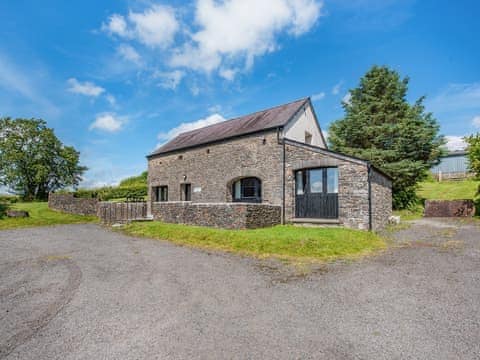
(241, 116)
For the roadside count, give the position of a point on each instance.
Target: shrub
(111, 192)
(3, 210)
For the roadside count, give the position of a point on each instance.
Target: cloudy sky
(116, 78)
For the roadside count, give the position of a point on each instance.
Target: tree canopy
(473, 153)
(33, 161)
(381, 126)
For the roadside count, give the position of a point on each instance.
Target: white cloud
(156, 26)
(337, 87)
(210, 120)
(456, 97)
(318, 97)
(195, 89)
(228, 74)
(225, 36)
(476, 121)
(455, 143)
(169, 80)
(108, 122)
(347, 98)
(129, 53)
(86, 88)
(116, 25)
(111, 99)
(231, 31)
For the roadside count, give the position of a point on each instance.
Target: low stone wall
(221, 215)
(449, 208)
(112, 213)
(72, 205)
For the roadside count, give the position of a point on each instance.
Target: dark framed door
(316, 193)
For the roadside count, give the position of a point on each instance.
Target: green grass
(448, 190)
(445, 190)
(41, 215)
(284, 242)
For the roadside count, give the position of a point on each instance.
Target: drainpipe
(281, 141)
(370, 227)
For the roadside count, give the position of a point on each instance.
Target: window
(161, 193)
(186, 192)
(316, 181)
(308, 138)
(247, 190)
(300, 182)
(332, 180)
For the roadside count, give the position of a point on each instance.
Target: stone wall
(221, 215)
(69, 204)
(449, 208)
(212, 169)
(112, 212)
(381, 188)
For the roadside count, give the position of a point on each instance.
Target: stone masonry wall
(212, 169)
(221, 215)
(449, 208)
(381, 200)
(72, 205)
(352, 184)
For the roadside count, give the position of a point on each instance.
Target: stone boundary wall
(112, 213)
(449, 208)
(220, 215)
(70, 204)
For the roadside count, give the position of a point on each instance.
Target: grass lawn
(41, 215)
(445, 190)
(284, 242)
(448, 190)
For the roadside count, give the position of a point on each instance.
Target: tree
(473, 153)
(33, 161)
(381, 126)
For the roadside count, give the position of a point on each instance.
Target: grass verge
(448, 190)
(41, 215)
(283, 242)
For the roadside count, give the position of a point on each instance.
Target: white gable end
(304, 128)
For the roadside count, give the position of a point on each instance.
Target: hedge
(111, 192)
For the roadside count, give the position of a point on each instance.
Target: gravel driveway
(83, 292)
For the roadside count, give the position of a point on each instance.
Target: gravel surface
(83, 292)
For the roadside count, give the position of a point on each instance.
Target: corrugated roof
(261, 120)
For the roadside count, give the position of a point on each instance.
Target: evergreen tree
(381, 126)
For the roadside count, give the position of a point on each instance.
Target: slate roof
(274, 117)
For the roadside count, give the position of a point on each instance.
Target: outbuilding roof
(274, 117)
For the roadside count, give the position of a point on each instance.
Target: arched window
(247, 190)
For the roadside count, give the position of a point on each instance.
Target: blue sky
(117, 78)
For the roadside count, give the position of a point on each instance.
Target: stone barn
(265, 168)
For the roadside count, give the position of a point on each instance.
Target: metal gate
(316, 193)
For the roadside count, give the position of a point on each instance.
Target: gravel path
(82, 292)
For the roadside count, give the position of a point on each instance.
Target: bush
(8, 199)
(3, 209)
(111, 192)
